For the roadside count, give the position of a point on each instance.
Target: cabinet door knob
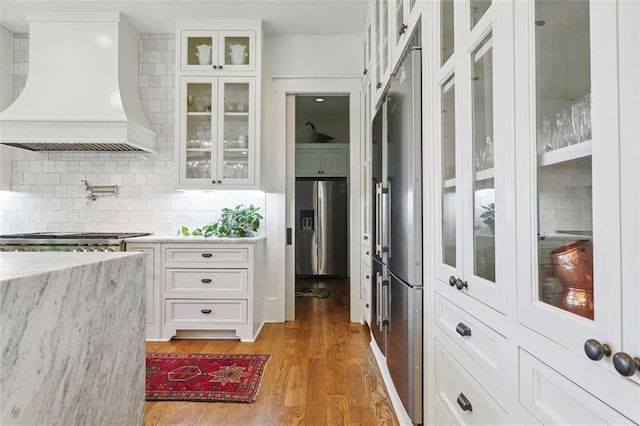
(403, 29)
(464, 403)
(452, 280)
(207, 255)
(205, 280)
(366, 306)
(379, 85)
(596, 350)
(219, 181)
(365, 237)
(215, 67)
(365, 72)
(625, 364)
(219, 67)
(366, 253)
(461, 284)
(463, 329)
(213, 182)
(205, 311)
(367, 276)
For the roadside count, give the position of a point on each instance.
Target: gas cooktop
(76, 235)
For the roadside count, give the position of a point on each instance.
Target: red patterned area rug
(203, 377)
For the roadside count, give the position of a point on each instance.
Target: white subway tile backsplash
(49, 194)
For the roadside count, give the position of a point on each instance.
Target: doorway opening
(321, 137)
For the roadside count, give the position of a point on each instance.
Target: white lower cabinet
(459, 397)
(152, 287)
(202, 289)
(554, 399)
(365, 289)
(486, 346)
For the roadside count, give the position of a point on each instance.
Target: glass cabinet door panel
(478, 9)
(400, 22)
(446, 30)
(564, 174)
(378, 41)
(200, 48)
(238, 50)
(483, 182)
(385, 35)
(199, 130)
(366, 46)
(448, 154)
(236, 131)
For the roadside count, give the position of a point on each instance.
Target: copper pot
(573, 265)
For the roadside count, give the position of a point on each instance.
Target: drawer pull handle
(205, 280)
(463, 330)
(207, 255)
(461, 284)
(595, 350)
(625, 364)
(464, 403)
(205, 311)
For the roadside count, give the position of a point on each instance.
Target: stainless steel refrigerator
(321, 227)
(397, 233)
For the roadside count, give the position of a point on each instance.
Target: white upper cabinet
(475, 235)
(367, 49)
(575, 279)
(218, 104)
(224, 50)
(217, 132)
(403, 21)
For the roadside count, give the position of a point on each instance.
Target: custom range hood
(81, 92)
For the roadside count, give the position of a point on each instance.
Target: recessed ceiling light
(319, 99)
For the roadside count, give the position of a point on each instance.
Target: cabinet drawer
(206, 256)
(455, 386)
(482, 343)
(206, 281)
(206, 312)
(552, 398)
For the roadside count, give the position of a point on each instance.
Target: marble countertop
(168, 238)
(24, 264)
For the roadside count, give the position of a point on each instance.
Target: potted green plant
(488, 216)
(237, 222)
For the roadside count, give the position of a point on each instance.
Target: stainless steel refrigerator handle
(388, 236)
(378, 220)
(319, 225)
(315, 210)
(386, 299)
(384, 219)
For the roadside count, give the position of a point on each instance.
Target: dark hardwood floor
(322, 371)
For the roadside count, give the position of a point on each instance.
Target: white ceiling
(290, 17)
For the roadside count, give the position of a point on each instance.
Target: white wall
(292, 57)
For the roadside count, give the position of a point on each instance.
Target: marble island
(72, 329)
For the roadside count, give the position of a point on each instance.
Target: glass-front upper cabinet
(229, 50)
(401, 24)
(217, 135)
(367, 42)
(381, 14)
(570, 257)
(472, 237)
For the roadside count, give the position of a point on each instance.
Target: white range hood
(82, 89)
